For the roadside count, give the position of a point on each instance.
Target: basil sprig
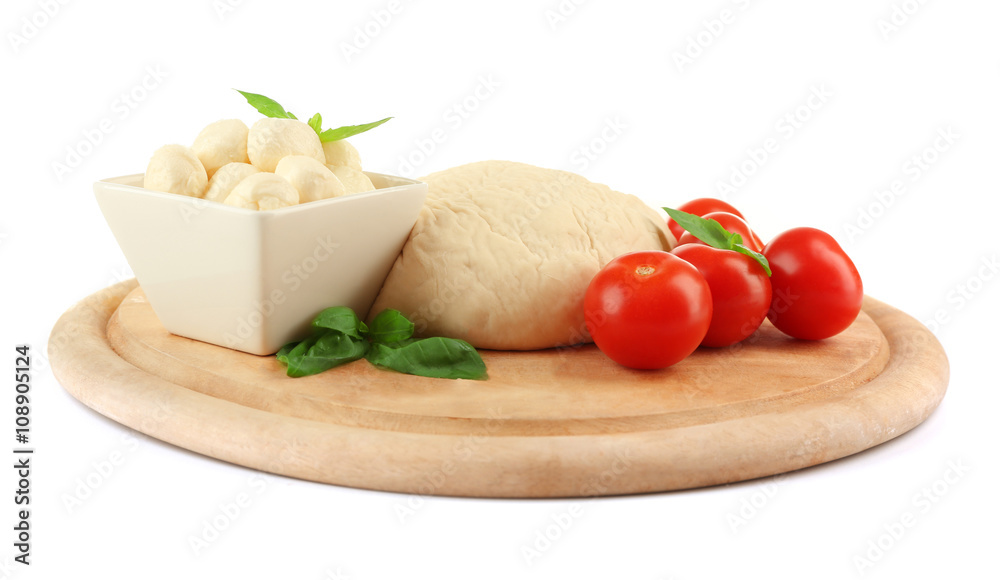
(445, 358)
(340, 337)
(712, 233)
(270, 108)
(390, 326)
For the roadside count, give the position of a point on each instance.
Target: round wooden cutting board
(552, 423)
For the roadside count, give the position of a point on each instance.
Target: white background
(563, 72)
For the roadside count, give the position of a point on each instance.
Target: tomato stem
(644, 270)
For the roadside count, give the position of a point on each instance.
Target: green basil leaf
(283, 353)
(712, 233)
(390, 326)
(323, 352)
(348, 131)
(755, 255)
(293, 357)
(445, 358)
(707, 230)
(338, 346)
(340, 318)
(266, 106)
(300, 348)
(340, 337)
(316, 122)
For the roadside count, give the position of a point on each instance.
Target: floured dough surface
(502, 254)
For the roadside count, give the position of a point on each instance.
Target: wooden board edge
(556, 466)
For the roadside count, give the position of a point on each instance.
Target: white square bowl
(253, 280)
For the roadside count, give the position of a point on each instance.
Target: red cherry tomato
(741, 291)
(816, 289)
(648, 310)
(734, 224)
(700, 207)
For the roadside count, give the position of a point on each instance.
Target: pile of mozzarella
(276, 163)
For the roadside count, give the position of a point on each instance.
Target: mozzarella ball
(312, 179)
(176, 169)
(271, 140)
(220, 143)
(263, 191)
(342, 153)
(226, 179)
(354, 181)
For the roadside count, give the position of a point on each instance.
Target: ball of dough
(271, 140)
(353, 179)
(342, 153)
(312, 179)
(226, 178)
(176, 169)
(502, 254)
(263, 191)
(220, 143)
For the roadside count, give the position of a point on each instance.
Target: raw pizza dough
(502, 254)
